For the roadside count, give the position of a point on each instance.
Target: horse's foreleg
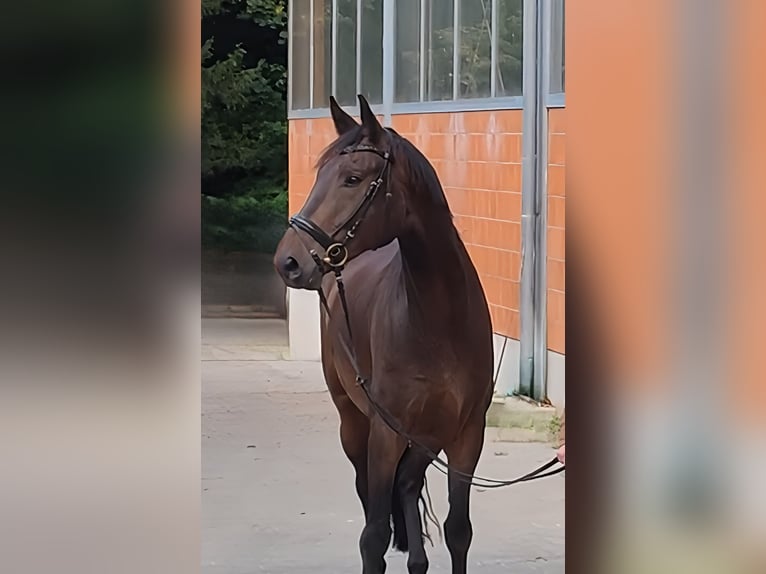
(463, 455)
(384, 450)
(354, 431)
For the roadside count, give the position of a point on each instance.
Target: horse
(402, 304)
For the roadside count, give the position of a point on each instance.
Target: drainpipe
(540, 371)
(529, 201)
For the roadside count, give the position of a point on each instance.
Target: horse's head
(353, 207)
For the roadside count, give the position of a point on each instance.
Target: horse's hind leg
(385, 449)
(409, 485)
(463, 455)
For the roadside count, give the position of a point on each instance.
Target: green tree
(244, 123)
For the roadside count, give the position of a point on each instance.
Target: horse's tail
(428, 513)
(399, 525)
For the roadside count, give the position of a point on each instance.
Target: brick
(556, 180)
(508, 206)
(509, 294)
(556, 149)
(509, 264)
(557, 121)
(556, 211)
(556, 243)
(556, 274)
(507, 121)
(476, 122)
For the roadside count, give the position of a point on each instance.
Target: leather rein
(334, 259)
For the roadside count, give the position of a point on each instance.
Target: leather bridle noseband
(335, 259)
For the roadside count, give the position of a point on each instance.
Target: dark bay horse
(418, 327)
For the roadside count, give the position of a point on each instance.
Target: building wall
(556, 224)
(478, 158)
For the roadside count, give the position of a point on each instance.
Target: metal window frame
(358, 46)
(389, 61)
(334, 41)
(540, 314)
(311, 53)
(422, 70)
(389, 107)
(529, 189)
(456, 50)
(493, 51)
(290, 20)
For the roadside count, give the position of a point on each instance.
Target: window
(441, 50)
(510, 24)
(440, 32)
(300, 64)
(372, 51)
(322, 53)
(407, 50)
(475, 64)
(557, 47)
(345, 81)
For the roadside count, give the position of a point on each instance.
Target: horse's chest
(426, 359)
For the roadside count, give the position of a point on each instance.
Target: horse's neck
(434, 277)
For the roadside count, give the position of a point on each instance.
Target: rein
(335, 258)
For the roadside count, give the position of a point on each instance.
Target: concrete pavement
(278, 493)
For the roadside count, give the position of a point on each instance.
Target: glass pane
(557, 47)
(510, 26)
(346, 49)
(299, 66)
(441, 40)
(407, 51)
(372, 50)
(475, 48)
(322, 52)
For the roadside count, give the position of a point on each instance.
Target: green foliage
(253, 222)
(244, 123)
(243, 116)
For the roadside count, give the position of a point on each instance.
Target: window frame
(389, 106)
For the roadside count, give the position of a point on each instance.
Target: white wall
(303, 325)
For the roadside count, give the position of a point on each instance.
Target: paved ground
(278, 493)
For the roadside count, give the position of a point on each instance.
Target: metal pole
(456, 51)
(493, 51)
(334, 49)
(528, 201)
(290, 37)
(358, 47)
(311, 53)
(388, 59)
(423, 53)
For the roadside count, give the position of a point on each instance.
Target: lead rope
(438, 463)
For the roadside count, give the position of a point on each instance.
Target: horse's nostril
(292, 268)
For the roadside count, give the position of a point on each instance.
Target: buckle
(336, 255)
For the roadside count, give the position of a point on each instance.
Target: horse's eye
(351, 181)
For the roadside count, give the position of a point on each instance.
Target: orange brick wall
(478, 158)
(556, 224)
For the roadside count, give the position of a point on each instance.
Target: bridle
(335, 259)
(336, 252)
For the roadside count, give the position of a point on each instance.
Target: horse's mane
(422, 174)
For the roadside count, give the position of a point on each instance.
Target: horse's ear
(343, 122)
(370, 123)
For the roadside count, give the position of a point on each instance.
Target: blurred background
(244, 156)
